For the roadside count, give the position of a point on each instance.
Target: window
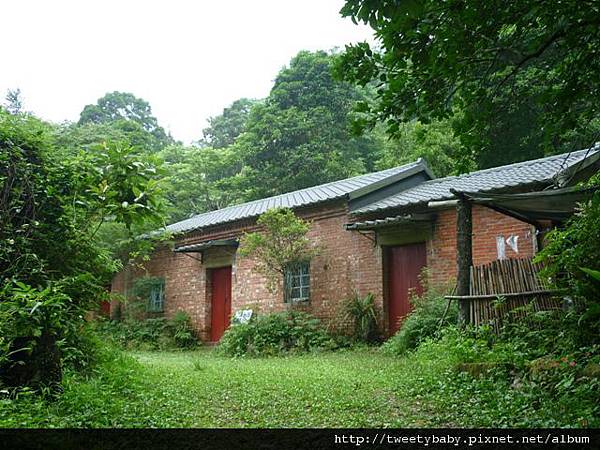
(297, 283)
(156, 299)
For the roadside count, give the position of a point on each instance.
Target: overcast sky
(189, 59)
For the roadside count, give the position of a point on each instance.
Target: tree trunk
(464, 255)
(40, 368)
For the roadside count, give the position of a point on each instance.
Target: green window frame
(297, 283)
(156, 297)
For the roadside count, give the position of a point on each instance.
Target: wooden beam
(507, 295)
(464, 254)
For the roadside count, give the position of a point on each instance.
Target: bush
(276, 334)
(31, 322)
(492, 380)
(568, 255)
(54, 269)
(422, 323)
(182, 331)
(150, 334)
(363, 313)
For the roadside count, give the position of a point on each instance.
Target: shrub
(150, 334)
(53, 268)
(422, 323)
(275, 334)
(32, 320)
(182, 330)
(282, 244)
(492, 380)
(363, 313)
(569, 255)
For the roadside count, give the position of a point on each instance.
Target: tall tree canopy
(435, 142)
(200, 179)
(128, 113)
(223, 129)
(14, 101)
(300, 135)
(501, 63)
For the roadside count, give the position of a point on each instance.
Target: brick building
(376, 233)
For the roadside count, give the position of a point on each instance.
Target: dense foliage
(52, 266)
(281, 243)
(300, 135)
(224, 129)
(201, 180)
(490, 381)
(435, 142)
(568, 255)
(430, 314)
(363, 314)
(276, 334)
(159, 333)
(128, 114)
(524, 74)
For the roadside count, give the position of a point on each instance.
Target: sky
(188, 58)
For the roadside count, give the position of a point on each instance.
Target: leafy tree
(200, 179)
(129, 114)
(283, 242)
(122, 186)
(53, 270)
(30, 209)
(570, 251)
(224, 129)
(435, 142)
(14, 101)
(530, 64)
(300, 135)
(70, 138)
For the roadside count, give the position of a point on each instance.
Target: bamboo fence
(508, 289)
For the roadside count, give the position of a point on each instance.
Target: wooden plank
(506, 294)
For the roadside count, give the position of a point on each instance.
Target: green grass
(359, 388)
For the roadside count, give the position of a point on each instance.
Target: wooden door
(221, 302)
(405, 263)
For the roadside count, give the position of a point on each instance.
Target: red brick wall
(487, 224)
(348, 261)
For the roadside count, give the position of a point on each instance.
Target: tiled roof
(498, 178)
(303, 197)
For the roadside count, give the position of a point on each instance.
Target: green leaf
(595, 274)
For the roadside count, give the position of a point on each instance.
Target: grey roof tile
(303, 197)
(513, 175)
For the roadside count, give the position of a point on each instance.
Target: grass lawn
(201, 389)
(359, 388)
(326, 390)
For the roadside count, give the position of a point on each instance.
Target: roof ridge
(329, 183)
(516, 164)
(538, 170)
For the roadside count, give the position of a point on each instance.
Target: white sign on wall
(242, 316)
(512, 241)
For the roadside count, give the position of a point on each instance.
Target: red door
(405, 263)
(221, 302)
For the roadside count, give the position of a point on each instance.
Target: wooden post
(464, 254)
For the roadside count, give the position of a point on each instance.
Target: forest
(468, 88)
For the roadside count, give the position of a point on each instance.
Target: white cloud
(189, 59)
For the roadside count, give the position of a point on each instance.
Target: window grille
(156, 301)
(297, 283)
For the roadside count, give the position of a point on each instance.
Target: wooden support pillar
(464, 254)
